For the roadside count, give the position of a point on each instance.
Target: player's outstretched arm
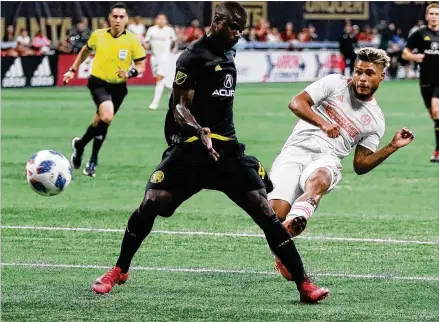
(182, 100)
(82, 55)
(365, 160)
(301, 106)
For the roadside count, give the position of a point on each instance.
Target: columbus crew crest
(157, 177)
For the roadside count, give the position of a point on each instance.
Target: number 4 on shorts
(261, 171)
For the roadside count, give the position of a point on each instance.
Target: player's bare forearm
(140, 66)
(301, 105)
(82, 55)
(182, 99)
(407, 54)
(365, 160)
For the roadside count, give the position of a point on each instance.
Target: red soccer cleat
(310, 293)
(435, 157)
(106, 282)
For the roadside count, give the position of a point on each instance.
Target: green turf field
(373, 241)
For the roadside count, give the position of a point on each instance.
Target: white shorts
(158, 66)
(294, 166)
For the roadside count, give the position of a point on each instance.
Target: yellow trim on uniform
(212, 135)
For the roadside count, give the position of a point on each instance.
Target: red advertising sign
(66, 61)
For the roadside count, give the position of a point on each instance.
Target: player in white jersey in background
(336, 114)
(160, 38)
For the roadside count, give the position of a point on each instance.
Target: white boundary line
(216, 234)
(225, 271)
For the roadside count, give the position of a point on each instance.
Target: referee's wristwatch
(71, 69)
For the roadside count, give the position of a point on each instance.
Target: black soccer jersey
(426, 41)
(211, 73)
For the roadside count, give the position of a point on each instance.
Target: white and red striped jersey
(361, 122)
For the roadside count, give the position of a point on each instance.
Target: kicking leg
(280, 241)
(317, 184)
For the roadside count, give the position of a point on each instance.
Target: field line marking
(225, 271)
(217, 234)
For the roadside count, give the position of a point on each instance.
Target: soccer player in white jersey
(160, 38)
(336, 114)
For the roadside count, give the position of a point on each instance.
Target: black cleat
(90, 169)
(295, 225)
(76, 158)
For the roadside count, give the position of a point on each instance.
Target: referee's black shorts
(102, 91)
(187, 168)
(429, 91)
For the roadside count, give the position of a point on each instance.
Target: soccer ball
(48, 173)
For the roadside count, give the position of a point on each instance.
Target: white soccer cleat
(153, 106)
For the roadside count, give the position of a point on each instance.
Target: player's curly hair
(374, 55)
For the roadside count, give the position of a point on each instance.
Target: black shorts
(188, 168)
(429, 91)
(102, 91)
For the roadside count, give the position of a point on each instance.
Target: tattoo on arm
(365, 160)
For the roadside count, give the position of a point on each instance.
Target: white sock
(301, 208)
(159, 87)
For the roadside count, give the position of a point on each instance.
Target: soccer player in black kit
(204, 153)
(426, 41)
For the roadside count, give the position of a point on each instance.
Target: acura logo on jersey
(228, 82)
(225, 92)
(434, 49)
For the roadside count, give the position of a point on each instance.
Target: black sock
(436, 132)
(101, 134)
(139, 226)
(87, 137)
(282, 244)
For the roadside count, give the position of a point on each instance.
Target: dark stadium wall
(55, 18)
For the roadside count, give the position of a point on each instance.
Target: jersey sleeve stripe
(139, 59)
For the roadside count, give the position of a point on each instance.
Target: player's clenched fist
(402, 138)
(332, 130)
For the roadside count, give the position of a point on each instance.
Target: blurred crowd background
(260, 34)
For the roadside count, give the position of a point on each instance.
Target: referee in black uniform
(115, 50)
(426, 41)
(204, 153)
